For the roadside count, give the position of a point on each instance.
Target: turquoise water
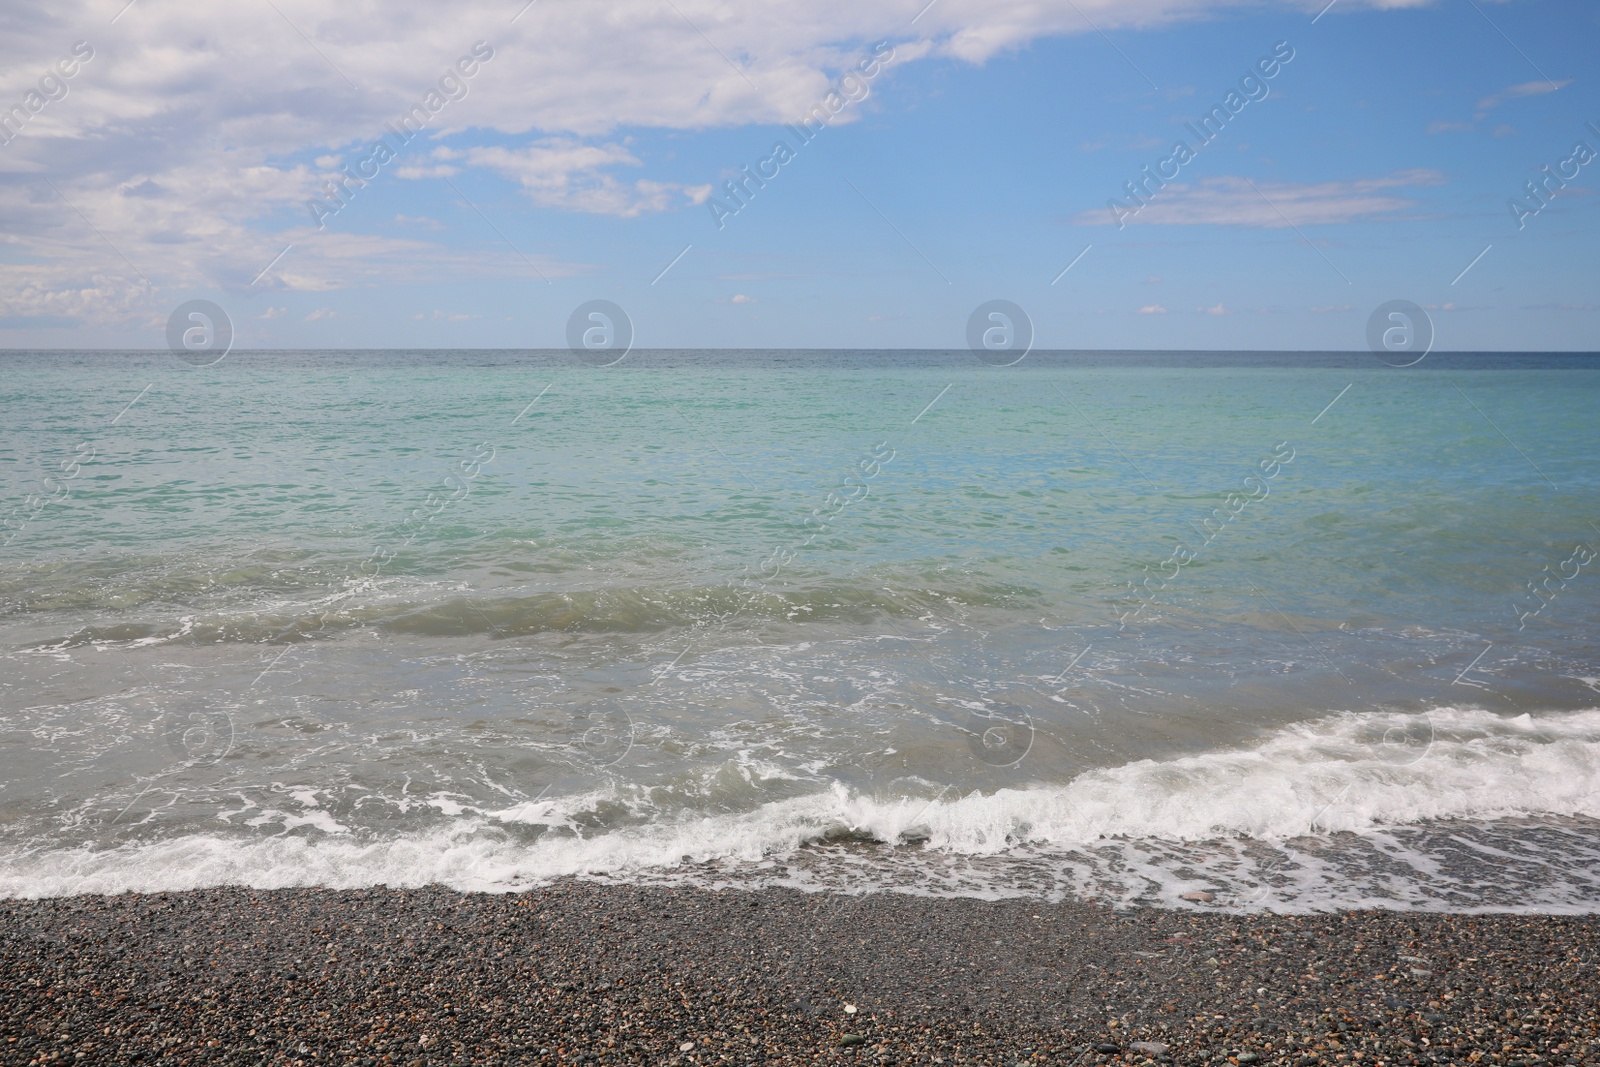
(490, 618)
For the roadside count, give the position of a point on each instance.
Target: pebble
(581, 973)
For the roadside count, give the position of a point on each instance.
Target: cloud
(568, 174)
(416, 172)
(38, 322)
(1152, 309)
(1235, 201)
(51, 292)
(1494, 100)
(1123, 144)
(1519, 92)
(1217, 309)
(740, 298)
(196, 134)
(322, 313)
(273, 313)
(244, 74)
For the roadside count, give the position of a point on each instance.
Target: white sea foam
(1239, 819)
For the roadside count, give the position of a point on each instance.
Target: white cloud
(1519, 92)
(1235, 201)
(415, 172)
(1152, 309)
(196, 133)
(273, 313)
(1494, 100)
(566, 173)
(322, 313)
(49, 292)
(244, 75)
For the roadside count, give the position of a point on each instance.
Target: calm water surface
(1114, 625)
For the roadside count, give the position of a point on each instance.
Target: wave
(1264, 816)
(444, 610)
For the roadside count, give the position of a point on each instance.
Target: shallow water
(494, 618)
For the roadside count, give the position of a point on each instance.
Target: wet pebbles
(586, 973)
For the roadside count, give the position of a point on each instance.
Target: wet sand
(587, 973)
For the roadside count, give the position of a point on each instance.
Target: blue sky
(1378, 165)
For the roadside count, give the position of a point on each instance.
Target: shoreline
(584, 972)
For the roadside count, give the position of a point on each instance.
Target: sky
(564, 151)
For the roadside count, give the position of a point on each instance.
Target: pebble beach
(591, 973)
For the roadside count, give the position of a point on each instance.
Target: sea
(1262, 631)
